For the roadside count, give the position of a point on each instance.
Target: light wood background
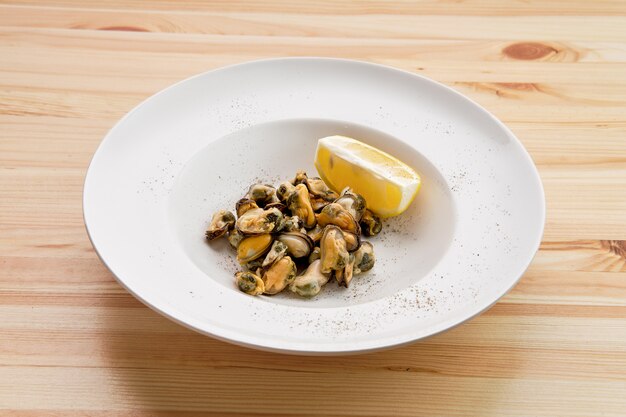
(73, 342)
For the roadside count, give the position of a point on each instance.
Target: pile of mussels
(301, 223)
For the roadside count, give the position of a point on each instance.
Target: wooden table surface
(73, 342)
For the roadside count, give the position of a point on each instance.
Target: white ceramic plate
(195, 147)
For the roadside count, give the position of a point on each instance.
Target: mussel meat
(291, 224)
(310, 283)
(298, 244)
(255, 265)
(303, 221)
(315, 254)
(245, 204)
(318, 203)
(277, 251)
(344, 276)
(353, 202)
(262, 194)
(284, 190)
(364, 258)
(277, 205)
(300, 178)
(253, 247)
(221, 222)
(336, 214)
(318, 188)
(316, 233)
(370, 223)
(235, 238)
(259, 221)
(299, 204)
(279, 275)
(250, 283)
(334, 254)
(353, 241)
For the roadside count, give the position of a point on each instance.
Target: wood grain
(74, 343)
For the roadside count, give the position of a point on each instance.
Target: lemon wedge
(387, 184)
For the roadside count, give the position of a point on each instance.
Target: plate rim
(321, 348)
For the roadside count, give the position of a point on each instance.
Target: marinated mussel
(315, 255)
(249, 282)
(279, 275)
(333, 251)
(262, 194)
(291, 224)
(310, 283)
(371, 225)
(316, 186)
(344, 276)
(353, 241)
(245, 204)
(364, 258)
(300, 205)
(338, 215)
(259, 221)
(284, 190)
(277, 251)
(221, 222)
(316, 233)
(298, 244)
(353, 202)
(235, 238)
(253, 247)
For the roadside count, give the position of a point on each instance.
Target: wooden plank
(394, 392)
(380, 26)
(445, 354)
(586, 144)
(164, 58)
(330, 7)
